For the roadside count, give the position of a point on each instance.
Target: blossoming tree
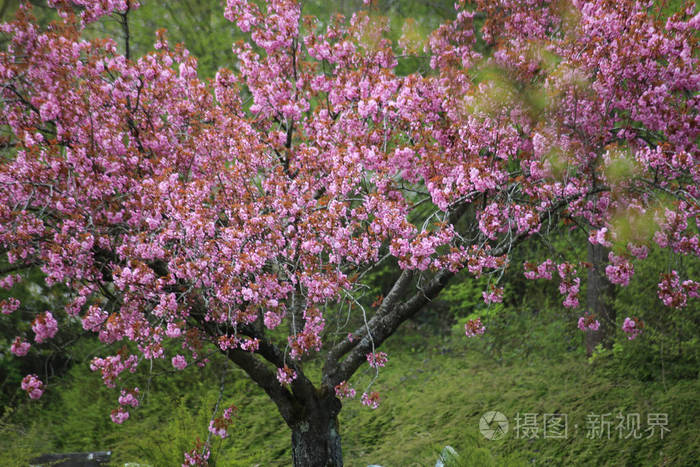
(243, 214)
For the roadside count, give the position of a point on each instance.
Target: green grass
(430, 398)
(438, 401)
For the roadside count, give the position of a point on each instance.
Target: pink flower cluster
(173, 330)
(9, 305)
(217, 430)
(251, 345)
(588, 322)
(44, 326)
(541, 271)
(377, 359)
(8, 282)
(112, 366)
(600, 237)
(179, 362)
(20, 347)
(310, 337)
(343, 390)
(96, 9)
(632, 327)
(272, 319)
(286, 375)
(569, 285)
(474, 328)
(119, 415)
(33, 385)
(493, 295)
(620, 270)
(129, 398)
(675, 294)
(638, 251)
(218, 426)
(371, 400)
(93, 319)
(198, 456)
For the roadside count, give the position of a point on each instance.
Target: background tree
(210, 214)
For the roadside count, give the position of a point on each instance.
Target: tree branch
(343, 347)
(383, 325)
(125, 26)
(302, 388)
(263, 377)
(388, 318)
(16, 267)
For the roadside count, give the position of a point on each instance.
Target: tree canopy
(242, 214)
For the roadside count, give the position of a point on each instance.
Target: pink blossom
(229, 412)
(179, 362)
(371, 400)
(571, 301)
(588, 322)
(9, 305)
(199, 455)
(675, 294)
(119, 415)
(620, 270)
(632, 327)
(639, 252)
(377, 359)
(691, 288)
(286, 375)
(344, 391)
(219, 431)
(33, 385)
(172, 330)
(94, 318)
(8, 281)
(129, 397)
(272, 319)
(599, 237)
(251, 345)
(48, 111)
(541, 271)
(474, 328)
(44, 326)
(20, 347)
(495, 295)
(112, 366)
(569, 285)
(94, 10)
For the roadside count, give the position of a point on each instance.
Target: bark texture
(599, 299)
(316, 437)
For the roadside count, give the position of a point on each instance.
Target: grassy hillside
(434, 392)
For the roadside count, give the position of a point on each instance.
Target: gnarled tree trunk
(315, 435)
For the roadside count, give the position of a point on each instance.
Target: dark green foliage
(46, 360)
(670, 347)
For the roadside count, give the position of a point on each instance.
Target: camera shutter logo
(493, 425)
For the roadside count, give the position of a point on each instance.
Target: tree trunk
(599, 298)
(315, 436)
